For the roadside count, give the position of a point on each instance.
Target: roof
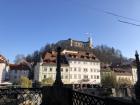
(21, 66)
(123, 74)
(2, 59)
(121, 71)
(51, 58)
(82, 56)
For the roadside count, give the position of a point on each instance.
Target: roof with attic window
(82, 56)
(50, 57)
(21, 66)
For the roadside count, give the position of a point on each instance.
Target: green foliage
(124, 82)
(24, 82)
(47, 81)
(104, 53)
(109, 80)
(109, 55)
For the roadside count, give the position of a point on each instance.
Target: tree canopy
(109, 80)
(47, 81)
(109, 55)
(24, 82)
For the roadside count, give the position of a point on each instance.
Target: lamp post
(58, 81)
(137, 86)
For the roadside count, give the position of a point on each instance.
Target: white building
(16, 71)
(76, 68)
(134, 74)
(3, 69)
(47, 68)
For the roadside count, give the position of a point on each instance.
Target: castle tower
(90, 42)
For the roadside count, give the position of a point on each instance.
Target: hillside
(105, 54)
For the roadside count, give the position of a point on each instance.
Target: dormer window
(82, 56)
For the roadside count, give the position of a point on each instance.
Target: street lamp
(58, 81)
(137, 86)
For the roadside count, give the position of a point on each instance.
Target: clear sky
(27, 25)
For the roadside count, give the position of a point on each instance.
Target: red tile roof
(83, 56)
(19, 67)
(50, 57)
(2, 59)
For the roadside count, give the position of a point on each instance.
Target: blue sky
(27, 25)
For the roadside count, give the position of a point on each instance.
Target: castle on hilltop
(75, 43)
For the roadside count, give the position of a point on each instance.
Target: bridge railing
(21, 96)
(79, 98)
(56, 96)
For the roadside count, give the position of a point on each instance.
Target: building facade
(134, 74)
(76, 68)
(16, 71)
(3, 69)
(127, 73)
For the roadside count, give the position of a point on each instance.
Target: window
(97, 76)
(85, 70)
(94, 70)
(44, 76)
(91, 70)
(79, 76)
(94, 76)
(70, 76)
(75, 76)
(45, 68)
(74, 69)
(66, 77)
(85, 76)
(79, 69)
(91, 76)
(66, 70)
(50, 69)
(61, 69)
